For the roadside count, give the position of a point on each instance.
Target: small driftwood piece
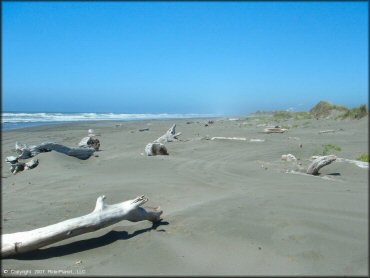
(27, 152)
(274, 130)
(169, 136)
(319, 162)
(327, 131)
(330, 130)
(288, 157)
(229, 138)
(103, 215)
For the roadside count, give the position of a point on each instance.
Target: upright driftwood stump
(155, 149)
(318, 163)
(102, 216)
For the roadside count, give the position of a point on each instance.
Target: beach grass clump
(282, 115)
(302, 116)
(290, 126)
(355, 113)
(363, 157)
(330, 149)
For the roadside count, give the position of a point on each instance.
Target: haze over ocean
(187, 57)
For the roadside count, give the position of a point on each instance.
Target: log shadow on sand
(86, 244)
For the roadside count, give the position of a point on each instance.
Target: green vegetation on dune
(325, 109)
(355, 113)
(330, 149)
(364, 157)
(286, 115)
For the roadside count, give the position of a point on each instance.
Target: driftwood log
(27, 152)
(87, 147)
(102, 216)
(157, 147)
(274, 130)
(319, 162)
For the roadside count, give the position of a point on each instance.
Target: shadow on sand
(87, 244)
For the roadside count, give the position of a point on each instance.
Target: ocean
(15, 120)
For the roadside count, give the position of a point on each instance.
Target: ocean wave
(8, 117)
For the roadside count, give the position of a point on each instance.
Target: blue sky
(183, 57)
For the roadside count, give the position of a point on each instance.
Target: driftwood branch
(169, 136)
(102, 216)
(318, 163)
(229, 138)
(330, 131)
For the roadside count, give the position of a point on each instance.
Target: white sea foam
(73, 117)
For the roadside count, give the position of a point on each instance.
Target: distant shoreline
(21, 120)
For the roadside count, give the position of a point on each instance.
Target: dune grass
(330, 149)
(363, 157)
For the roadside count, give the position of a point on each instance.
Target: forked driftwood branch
(169, 136)
(102, 216)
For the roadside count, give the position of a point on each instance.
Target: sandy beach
(230, 207)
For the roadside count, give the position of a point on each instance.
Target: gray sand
(230, 207)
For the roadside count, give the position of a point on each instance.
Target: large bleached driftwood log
(169, 136)
(102, 216)
(318, 163)
(31, 151)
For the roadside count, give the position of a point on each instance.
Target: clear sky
(183, 57)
